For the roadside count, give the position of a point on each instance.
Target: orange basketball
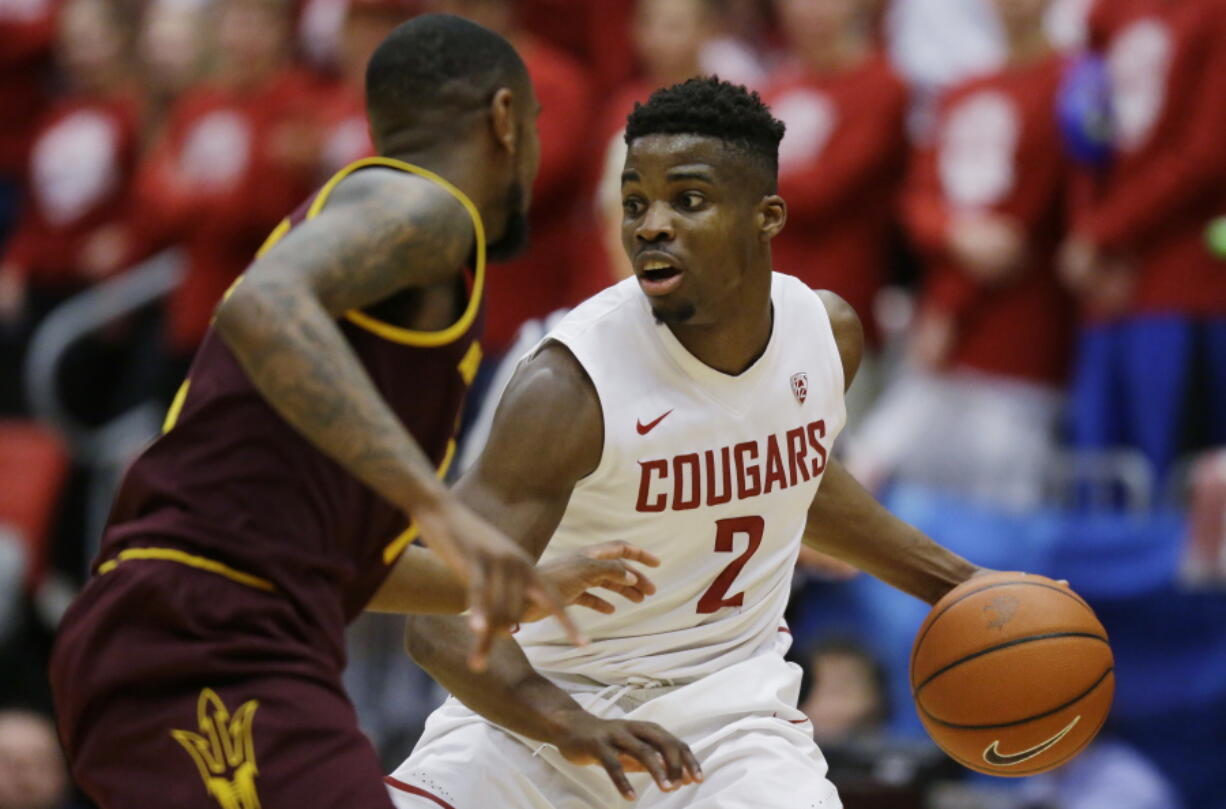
(1012, 674)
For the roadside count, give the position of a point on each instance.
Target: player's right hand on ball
(621, 746)
(604, 566)
(503, 581)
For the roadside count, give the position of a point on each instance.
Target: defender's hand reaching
(503, 583)
(599, 566)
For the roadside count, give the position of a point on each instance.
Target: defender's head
(698, 196)
(438, 82)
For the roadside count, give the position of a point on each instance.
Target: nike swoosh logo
(993, 756)
(644, 429)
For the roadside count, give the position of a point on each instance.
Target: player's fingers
(544, 595)
(603, 572)
(625, 592)
(595, 603)
(609, 760)
(670, 749)
(511, 606)
(625, 579)
(642, 582)
(478, 620)
(646, 755)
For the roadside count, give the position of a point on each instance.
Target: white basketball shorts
(756, 750)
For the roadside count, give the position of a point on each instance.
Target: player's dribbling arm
(846, 521)
(382, 231)
(514, 696)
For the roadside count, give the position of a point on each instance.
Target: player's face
(694, 224)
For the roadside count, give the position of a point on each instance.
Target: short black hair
(714, 108)
(437, 62)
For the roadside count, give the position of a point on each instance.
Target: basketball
(1012, 674)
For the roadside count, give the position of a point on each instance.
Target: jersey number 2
(716, 596)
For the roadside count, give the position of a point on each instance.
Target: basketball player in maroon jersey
(201, 665)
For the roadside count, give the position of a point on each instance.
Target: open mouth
(657, 277)
(661, 274)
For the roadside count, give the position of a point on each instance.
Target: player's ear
(772, 216)
(502, 119)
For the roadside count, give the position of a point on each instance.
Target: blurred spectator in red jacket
(1154, 346)
(172, 54)
(544, 277)
(345, 133)
(237, 154)
(596, 32)
(72, 229)
(842, 158)
(27, 31)
(673, 40)
(989, 356)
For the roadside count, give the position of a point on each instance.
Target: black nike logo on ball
(993, 756)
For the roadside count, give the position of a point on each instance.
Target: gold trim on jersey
(398, 334)
(394, 548)
(189, 559)
(176, 407)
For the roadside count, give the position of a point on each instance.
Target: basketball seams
(916, 689)
(955, 726)
(931, 621)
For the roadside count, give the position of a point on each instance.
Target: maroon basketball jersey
(233, 488)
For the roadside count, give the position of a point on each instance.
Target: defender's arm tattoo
(381, 232)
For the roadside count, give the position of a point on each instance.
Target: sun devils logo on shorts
(224, 751)
(800, 386)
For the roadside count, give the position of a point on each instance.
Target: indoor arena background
(1041, 269)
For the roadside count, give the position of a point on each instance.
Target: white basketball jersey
(712, 473)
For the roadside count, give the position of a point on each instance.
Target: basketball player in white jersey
(690, 410)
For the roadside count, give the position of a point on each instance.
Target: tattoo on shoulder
(377, 235)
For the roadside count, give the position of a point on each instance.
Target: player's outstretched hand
(502, 580)
(605, 566)
(621, 746)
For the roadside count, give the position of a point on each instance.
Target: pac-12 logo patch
(800, 386)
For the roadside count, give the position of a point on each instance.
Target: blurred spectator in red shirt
(237, 154)
(172, 54)
(544, 277)
(1154, 347)
(27, 31)
(841, 160)
(596, 32)
(978, 411)
(72, 229)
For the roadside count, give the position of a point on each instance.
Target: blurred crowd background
(1023, 199)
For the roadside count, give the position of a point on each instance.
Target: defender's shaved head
(437, 63)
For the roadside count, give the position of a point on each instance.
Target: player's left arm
(848, 523)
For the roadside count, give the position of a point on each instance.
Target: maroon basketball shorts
(177, 687)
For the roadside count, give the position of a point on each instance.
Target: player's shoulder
(396, 191)
(398, 208)
(825, 309)
(610, 309)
